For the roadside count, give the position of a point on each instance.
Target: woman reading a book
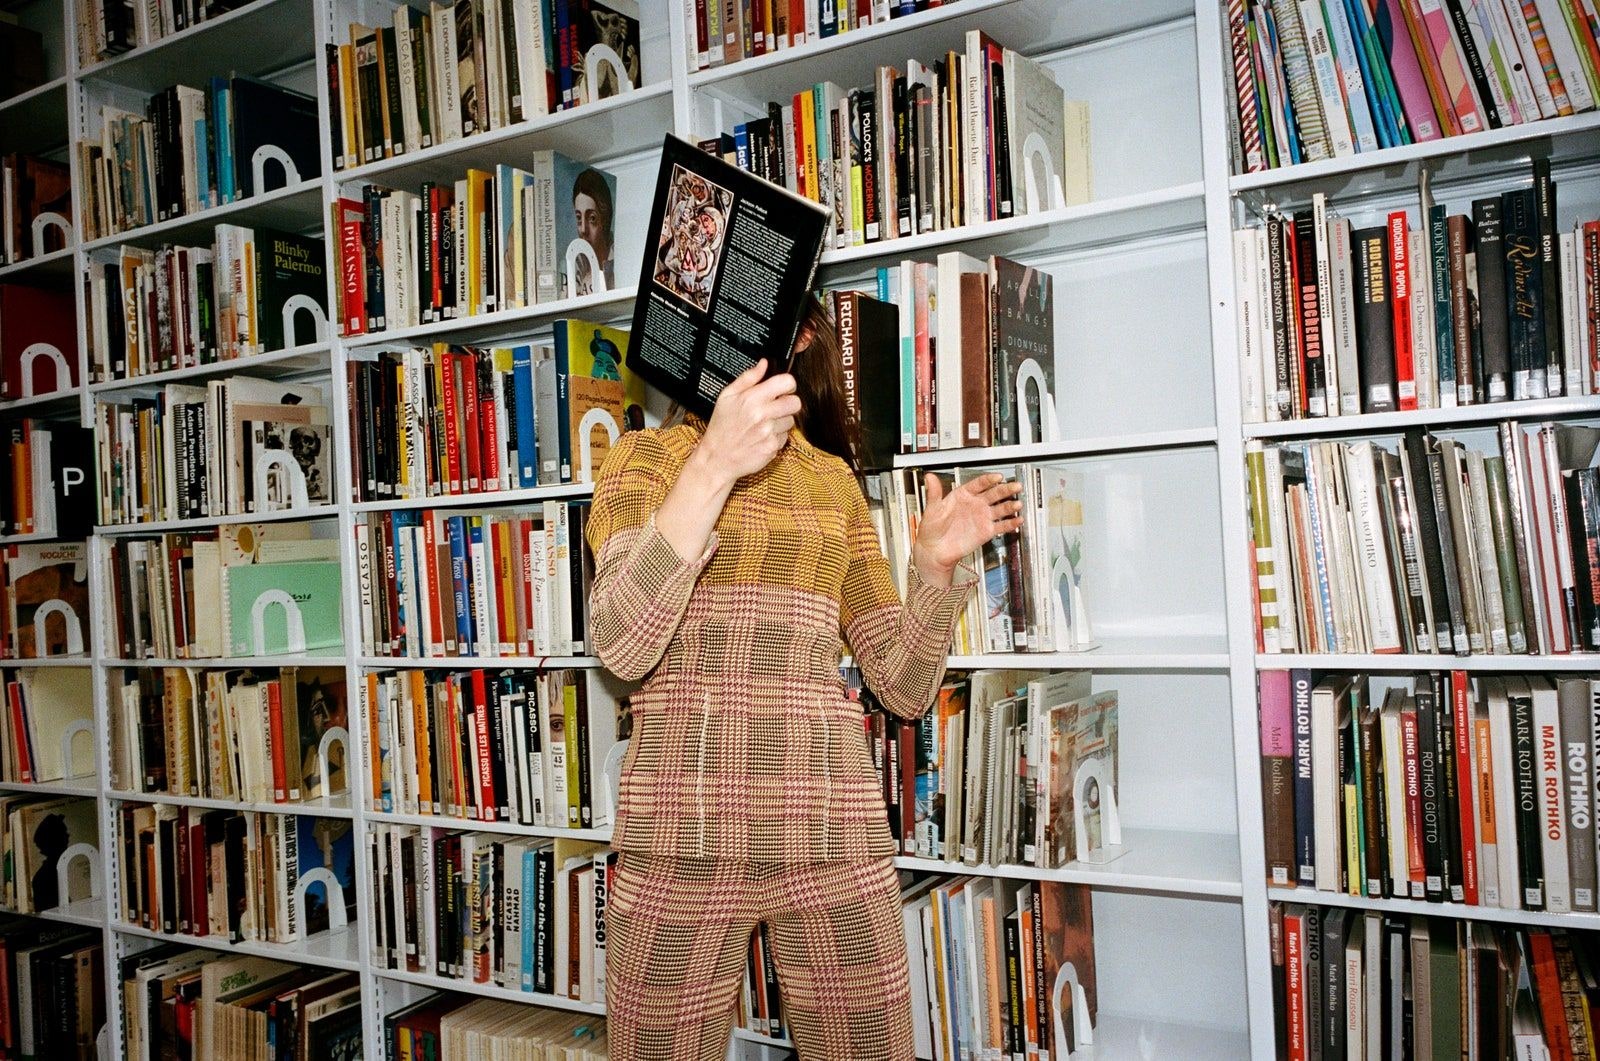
(733, 560)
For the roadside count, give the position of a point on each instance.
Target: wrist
(931, 570)
(708, 469)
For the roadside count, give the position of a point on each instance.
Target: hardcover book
(1067, 960)
(38, 573)
(53, 698)
(1082, 762)
(288, 267)
(271, 116)
(273, 609)
(1022, 302)
(327, 843)
(615, 24)
(729, 259)
(29, 317)
(598, 397)
(585, 219)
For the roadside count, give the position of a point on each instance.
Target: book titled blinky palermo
(275, 609)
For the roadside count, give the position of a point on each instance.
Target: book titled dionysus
(728, 261)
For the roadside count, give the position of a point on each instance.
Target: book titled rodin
(724, 281)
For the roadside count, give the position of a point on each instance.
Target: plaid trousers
(678, 932)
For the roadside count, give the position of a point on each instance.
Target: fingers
(1007, 526)
(1000, 492)
(779, 385)
(748, 378)
(933, 486)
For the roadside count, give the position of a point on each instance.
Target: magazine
(728, 263)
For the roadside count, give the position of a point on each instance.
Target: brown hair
(818, 367)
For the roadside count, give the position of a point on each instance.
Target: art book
(1067, 914)
(273, 609)
(598, 397)
(38, 576)
(1082, 775)
(585, 211)
(320, 699)
(52, 699)
(728, 265)
(327, 843)
(40, 834)
(1067, 626)
(1022, 301)
(36, 318)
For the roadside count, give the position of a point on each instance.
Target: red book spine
(490, 456)
(1547, 989)
(1294, 981)
(701, 37)
(19, 730)
(480, 712)
(1408, 744)
(280, 783)
(1405, 375)
(797, 164)
(436, 208)
(352, 269)
(1467, 796)
(471, 458)
(757, 20)
(430, 565)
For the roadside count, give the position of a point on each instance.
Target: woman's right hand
(750, 423)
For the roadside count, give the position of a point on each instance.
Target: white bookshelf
(1148, 401)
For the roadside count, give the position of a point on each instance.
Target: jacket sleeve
(901, 647)
(641, 584)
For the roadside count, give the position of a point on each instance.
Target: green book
(257, 599)
(287, 266)
(1505, 554)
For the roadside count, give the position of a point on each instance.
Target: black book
(1525, 781)
(1004, 179)
(1476, 64)
(335, 106)
(71, 477)
(368, 81)
(1544, 198)
(902, 157)
(288, 266)
(233, 860)
(1309, 316)
(1428, 785)
(1374, 320)
(728, 263)
(497, 751)
(1492, 337)
(167, 867)
(1450, 790)
(1583, 526)
(1311, 926)
(1447, 546)
(372, 245)
(1425, 527)
(869, 347)
(777, 155)
(424, 251)
(1015, 1022)
(1335, 931)
(584, 749)
(268, 114)
(864, 116)
(1523, 282)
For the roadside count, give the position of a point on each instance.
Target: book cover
(39, 573)
(288, 267)
(277, 608)
(54, 698)
(585, 233)
(327, 843)
(40, 834)
(729, 259)
(1022, 302)
(1035, 116)
(598, 396)
(1082, 734)
(1067, 959)
(615, 24)
(30, 318)
(323, 705)
(269, 115)
(869, 348)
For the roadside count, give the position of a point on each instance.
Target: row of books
(38, 832)
(41, 704)
(992, 774)
(111, 27)
(1430, 547)
(523, 915)
(230, 447)
(31, 319)
(43, 479)
(1349, 983)
(759, 1007)
(193, 149)
(35, 576)
(1434, 312)
(232, 874)
(448, 420)
(249, 735)
(470, 66)
(32, 187)
(1030, 597)
(436, 583)
(731, 30)
(56, 1001)
(241, 590)
(252, 291)
(977, 135)
(963, 354)
(496, 239)
(190, 1002)
(456, 1028)
(523, 746)
(1432, 788)
(1331, 80)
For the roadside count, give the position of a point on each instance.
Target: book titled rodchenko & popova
(729, 258)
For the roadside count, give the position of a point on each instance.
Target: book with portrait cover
(729, 259)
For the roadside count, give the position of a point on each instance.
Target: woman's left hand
(953, 525)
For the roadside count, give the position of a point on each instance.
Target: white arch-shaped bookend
(579, 249)
(337, 918)
(600, 55)
(57, 606)
(293, 306)
(1097, 770)
(294, 622)
(611, 776)
(272, 153)
(64, 871)
(80, 728)
(33, 352)
(1034, 151)
(335, 735)
(289, 473)
(1072, 617)
(46, 221)
(1067, 976)
(1049, 429)
(592, 419)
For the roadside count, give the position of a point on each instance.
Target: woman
(730, 559)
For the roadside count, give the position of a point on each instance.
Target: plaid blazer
(744, 743)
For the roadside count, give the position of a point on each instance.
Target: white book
(1431, 394)
(1552, 809)
(1494, 606)
(1355, 1021)
(912, 916)
(1247, 307)
(1372, 549)
(1572, 354)
(1507, 58)
(1394, 794)
(494, 108)
(1551, 103)
(1330, 361)
(411, 127)
(427, 939)
(1345, 348)
(509, 974)
(1277, 516)
(1326, 75)
(1565, 49)
(1329, 699)
(1505, 791)
(448, 98)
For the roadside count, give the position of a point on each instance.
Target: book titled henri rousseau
(724, 278)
